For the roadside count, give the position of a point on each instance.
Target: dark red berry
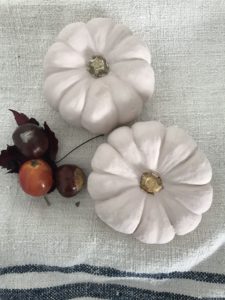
(31, 140)
(70, 179)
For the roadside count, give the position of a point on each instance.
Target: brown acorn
(70, 180)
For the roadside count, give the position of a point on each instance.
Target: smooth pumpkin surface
(98, 75)
(167, 155)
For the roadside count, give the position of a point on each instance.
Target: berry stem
(85, 142)
(47, 201)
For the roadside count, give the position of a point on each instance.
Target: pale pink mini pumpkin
(150, 181)
(98, 75)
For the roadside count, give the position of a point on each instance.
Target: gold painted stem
(151, 183)
(98, 66)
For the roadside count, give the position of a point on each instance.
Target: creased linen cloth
(64, 251)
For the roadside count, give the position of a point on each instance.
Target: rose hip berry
(35, 177)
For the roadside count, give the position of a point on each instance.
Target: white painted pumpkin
(151, 182)
(97, 75)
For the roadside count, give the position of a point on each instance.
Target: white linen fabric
(187, 43)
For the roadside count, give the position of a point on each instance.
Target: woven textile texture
(64, 251)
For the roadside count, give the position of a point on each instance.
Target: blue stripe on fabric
(88, 289)
(111, 272)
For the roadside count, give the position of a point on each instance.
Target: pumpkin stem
(98, 66)
(151, 183)
(85, 142)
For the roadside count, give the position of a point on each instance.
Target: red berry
(36, 177)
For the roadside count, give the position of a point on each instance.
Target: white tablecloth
(187, 42)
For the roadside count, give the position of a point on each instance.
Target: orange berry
(36, 177)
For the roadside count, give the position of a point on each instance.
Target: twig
(78, 147)
(47, 201)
